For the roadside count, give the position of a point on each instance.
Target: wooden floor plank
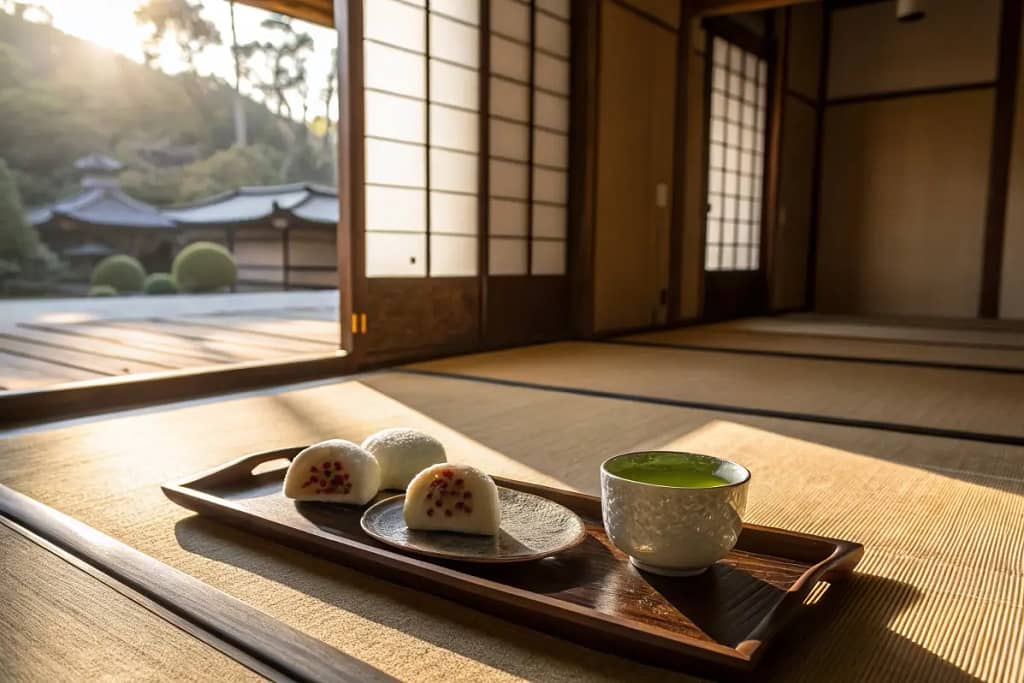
(98, 359)
(18, 372)
(324, 314)
(316, 333)
(150, 335)
(258, 346)
(72, 342)
(133, 339)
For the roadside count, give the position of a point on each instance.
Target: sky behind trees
(112, 24)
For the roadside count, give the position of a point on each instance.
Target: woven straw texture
(938, 596)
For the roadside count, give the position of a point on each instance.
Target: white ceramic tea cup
(667, 529)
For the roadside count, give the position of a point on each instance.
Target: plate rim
(372, 533)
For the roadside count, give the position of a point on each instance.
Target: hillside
(62, 98)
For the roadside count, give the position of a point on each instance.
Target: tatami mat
(937, 597)
(706, 337)
(1009, 336)
(920, 398)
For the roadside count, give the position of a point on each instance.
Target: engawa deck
(50, 344)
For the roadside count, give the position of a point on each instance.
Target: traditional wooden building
(102, 219)
(283, 236)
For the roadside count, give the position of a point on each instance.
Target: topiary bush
(204, 267)
(102, 290)
(160, 283)
(122, 272)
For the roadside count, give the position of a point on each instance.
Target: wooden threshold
(253, 638)
(87, 397)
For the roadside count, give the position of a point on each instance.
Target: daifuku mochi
(403, 452)
(452, 498)
(334, 471)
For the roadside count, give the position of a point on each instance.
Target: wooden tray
(718, 623)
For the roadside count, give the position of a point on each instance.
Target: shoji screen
(529, 143)
(739, 87)
(422, 137)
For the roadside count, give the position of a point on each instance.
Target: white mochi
(453, 498)
(402, 452)
(333, 471)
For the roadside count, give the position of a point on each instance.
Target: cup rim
(745, 479)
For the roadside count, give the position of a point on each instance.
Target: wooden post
(999, 164)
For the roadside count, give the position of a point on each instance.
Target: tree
(229, 169)
(27, 10)
(287, 74)
(327, 93)
(240, 57)
(286, 58)
(18, 238)
(184, 22)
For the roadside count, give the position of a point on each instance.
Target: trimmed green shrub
(122, 272)
(204, 267)
(102, 290)
(160, 283)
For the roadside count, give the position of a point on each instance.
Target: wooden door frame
(765, 48)
(348, 23)
(355, 288)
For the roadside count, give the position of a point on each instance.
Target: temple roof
(109, 206)
(98, 162)
(104, 206)
(312, 203)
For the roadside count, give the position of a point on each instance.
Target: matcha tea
(665, 474)
(675, 469)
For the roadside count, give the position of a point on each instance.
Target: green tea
(668, 475)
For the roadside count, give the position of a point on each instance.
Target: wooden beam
(711, 8)
(911, 92)
(483, 212)
(586, 18)
(678, 218)
(779, 71)
(647, 16)
(811, 281)
(351, 196)
(89, 397)
(999, 162)
(317, 11)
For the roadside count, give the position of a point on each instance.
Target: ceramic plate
(532, 527)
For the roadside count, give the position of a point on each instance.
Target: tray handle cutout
(270, 466)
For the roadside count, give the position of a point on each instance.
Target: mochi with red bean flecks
(333, 471)
(451, 497)
(402, 453)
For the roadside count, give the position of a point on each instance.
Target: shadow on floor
(593, 428)
(845, 637)
(834, 642)
(517, 650)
